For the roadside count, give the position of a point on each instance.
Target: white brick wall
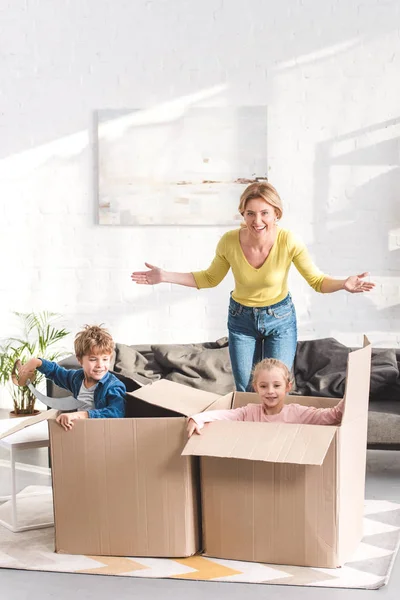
(329, 72)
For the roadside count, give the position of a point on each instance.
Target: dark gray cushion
(129, 362)
(204, 366)
(384, 373)
(320, 370)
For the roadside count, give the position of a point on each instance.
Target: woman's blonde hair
(263, 190)
(93, 337)
(267, 365)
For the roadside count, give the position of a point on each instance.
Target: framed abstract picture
(166, 167)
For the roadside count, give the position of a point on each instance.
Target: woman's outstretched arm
(156, 275)
(354, 284)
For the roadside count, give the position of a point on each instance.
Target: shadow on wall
(85, 58)
(363, 235)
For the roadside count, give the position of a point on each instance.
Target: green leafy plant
(38, 338)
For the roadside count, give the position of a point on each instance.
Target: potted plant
(38, 338)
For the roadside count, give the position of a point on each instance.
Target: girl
(271, 381)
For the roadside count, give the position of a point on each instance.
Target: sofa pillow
(203, 366)
(130, 363)
(384, 373)
(320, 368)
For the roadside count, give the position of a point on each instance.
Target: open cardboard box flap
(357, 383)
(268, 442)
(285, 442)
(28, 421)
(176, 397)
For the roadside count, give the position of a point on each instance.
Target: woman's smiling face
(259, 216)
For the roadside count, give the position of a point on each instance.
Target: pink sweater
(290, 413)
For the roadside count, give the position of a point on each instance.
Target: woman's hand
(355, 284)
(192, 428)
(156, 275)
(151, 277)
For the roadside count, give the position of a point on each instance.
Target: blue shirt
(109, 395)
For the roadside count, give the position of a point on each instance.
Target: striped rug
(34, 550)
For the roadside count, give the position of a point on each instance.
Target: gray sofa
(319, 370)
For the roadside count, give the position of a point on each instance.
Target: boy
(102, 392)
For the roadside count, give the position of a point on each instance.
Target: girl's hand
(355, 284)
(192, 428)
(151, 277)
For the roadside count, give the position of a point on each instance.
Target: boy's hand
(192, 428)
(66, 420)
(21, 373)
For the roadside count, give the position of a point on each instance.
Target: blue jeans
(257, 333)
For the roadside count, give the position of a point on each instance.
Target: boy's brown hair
(93, 337)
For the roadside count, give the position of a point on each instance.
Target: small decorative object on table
(37, 339)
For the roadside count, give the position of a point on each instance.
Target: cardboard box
(283, 493)
(121, 486)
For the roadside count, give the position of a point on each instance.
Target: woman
(262, 317)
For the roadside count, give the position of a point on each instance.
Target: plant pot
(23, 413)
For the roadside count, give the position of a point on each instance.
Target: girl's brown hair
(264, 190)
(93, 337)
(267, 365)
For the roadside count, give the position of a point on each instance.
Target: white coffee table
(35, 436)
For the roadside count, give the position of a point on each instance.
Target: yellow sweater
(268, 284)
